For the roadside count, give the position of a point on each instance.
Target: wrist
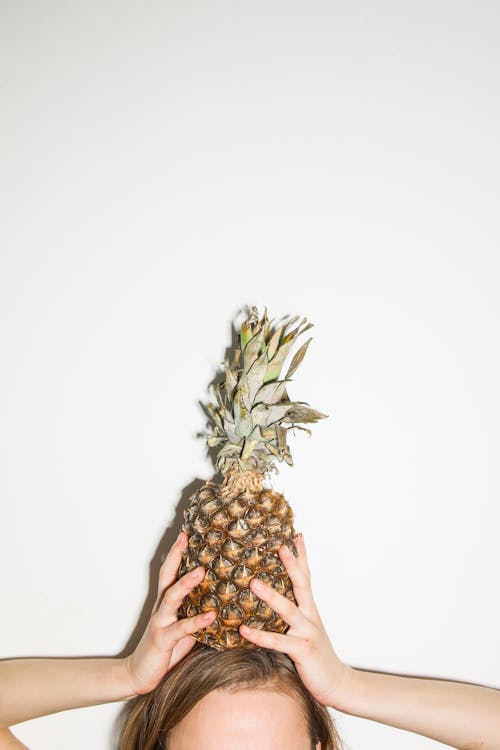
(127, 681)
(342, 690)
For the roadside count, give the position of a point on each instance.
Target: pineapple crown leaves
(253, 405)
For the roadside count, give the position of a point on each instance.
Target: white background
(165, 164)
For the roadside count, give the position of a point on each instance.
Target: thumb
(180, 650)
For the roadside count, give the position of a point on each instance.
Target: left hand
(166, 639)
(306, 641)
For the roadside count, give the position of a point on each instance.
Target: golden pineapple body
(235, 531)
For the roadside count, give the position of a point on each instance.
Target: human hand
(166, 639)
(306, 641)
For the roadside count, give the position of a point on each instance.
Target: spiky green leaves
(253, 404)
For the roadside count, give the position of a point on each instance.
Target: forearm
(462, 715)
(9, 742)
(30, 688)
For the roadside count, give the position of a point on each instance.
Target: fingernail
(258, 584)
(285, 551)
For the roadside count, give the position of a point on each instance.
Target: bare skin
(246, 719)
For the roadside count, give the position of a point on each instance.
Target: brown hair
(152, 716)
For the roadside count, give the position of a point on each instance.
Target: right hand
(166, 639)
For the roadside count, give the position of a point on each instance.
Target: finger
(170, 566)
(298, 571)
(287, 644)
(301, 549)
(301, 560)
(174, 595)
(189, 625)
(283, 606)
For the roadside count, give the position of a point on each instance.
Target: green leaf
(274, 369)
(272, 346)
(249, 327)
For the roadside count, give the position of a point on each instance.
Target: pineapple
(237, 526)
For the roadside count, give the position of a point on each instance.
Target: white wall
(165, 164)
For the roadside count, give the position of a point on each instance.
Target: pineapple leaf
(299, 413)
(281, 432)
(273, 345)
(248, 327)
(252, 350)
(248, 447)
(226, 414)
(243, 391)
(298, 427)
(236, 359)
(228, 449)
(268, 433)
(274, 369)
(255, 376)
(218, 395)
(267, 329)
(251, 441)
(272, 448)
(213, 441)
(243, 420)
(291, 321)
(297, 359)
(296, 332)
(271, 393)
(215, 414)
(265, 415)
(230, 433)
(230, 383)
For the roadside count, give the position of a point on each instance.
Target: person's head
(240, 699)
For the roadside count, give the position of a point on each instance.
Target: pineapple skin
(235, 530)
